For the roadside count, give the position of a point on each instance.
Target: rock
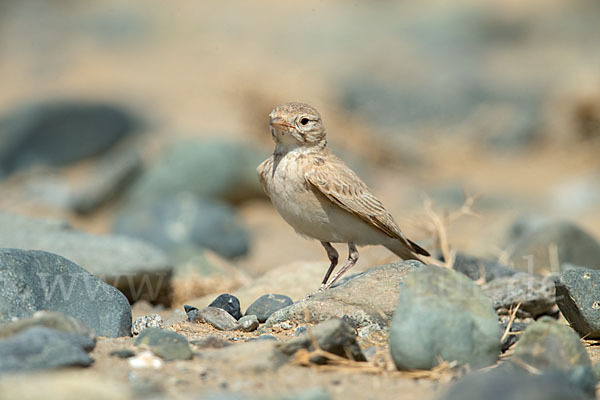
(191, 312)
(217, 317)
(63, 385)
(124, 353)
(137, 269)
(36, 280)
(108, 179)
(60, 132)
(211, 342)
(213, 169)
(366, 298)
(43, 348)
(502, 385)
(248, 323)
(334, 336)
(442, 314)
(147, 321)
(473, 266)
(165, 344)
(549, 346)
(546, 249)
(50, 319)
(578, 298)
(181, 221)
(228, 303)
(146, 359)
(536, 294)
(267, 304)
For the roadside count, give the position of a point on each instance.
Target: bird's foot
(310, 295)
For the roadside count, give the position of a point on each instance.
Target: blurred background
(148, 118)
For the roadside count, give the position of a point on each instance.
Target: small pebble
(248, 323)
(123, 353)
(145, 359)
(147, 321)
(300, 330)
(229, 303)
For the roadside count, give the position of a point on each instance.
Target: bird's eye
(304, 121)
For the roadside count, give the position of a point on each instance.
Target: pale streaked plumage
(321, 197)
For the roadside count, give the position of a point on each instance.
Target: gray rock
(442, 314)
(36, 280)
(109, 178)
(267, 304)
(165, 344)
(578, 298)
(147, 321)
(123, 353)
(536, 294)
(546, 344)
(547, 248)
(50, 319)
(181, 221)
(217, 317)
(502, 385)
(59, 133)
(248, 323)
(334, 336)
(42, 348)
(473, 266)
(365, 298)
(215, 169)
(229, 303)
(137, 269)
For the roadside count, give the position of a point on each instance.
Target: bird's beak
(279, 123)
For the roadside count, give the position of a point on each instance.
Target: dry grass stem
(511, 319)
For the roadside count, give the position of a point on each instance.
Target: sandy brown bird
(320, 196)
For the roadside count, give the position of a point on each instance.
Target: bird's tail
(407, 250)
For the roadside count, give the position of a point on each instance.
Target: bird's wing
(343, 187)
(263, 170)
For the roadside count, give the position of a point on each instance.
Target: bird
(316, 193)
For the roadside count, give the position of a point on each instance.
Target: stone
(334, 336)
(442, 314)
(248, 323)
(228, 303)
(69, 384)
(108, 178)
(217, 317)
(39, 347)
(473, 266)
(502, 385)
(123, 353)
(50, 319)
(177, 222)
(549, 345)
(547, 248)
(147, 321)
(578, 298)
(60, 132)
(32, 280)
(267, 304)
(211, 169)
(366, 298)
(138, 270)
(534, 293)
(165, 343)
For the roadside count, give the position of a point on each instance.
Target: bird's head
(296, 125)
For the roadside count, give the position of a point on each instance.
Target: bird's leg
(352, 259)
(333, 257)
